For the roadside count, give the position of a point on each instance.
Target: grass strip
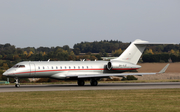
(161, 100)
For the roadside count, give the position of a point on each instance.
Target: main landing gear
(81, 82)
(17, 84)
(93, 82)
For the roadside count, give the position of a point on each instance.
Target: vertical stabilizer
(133, 52)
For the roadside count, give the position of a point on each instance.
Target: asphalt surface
(101, 86)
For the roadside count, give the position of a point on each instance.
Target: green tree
(16, 57)
(117, 52)
(25, 53)
(66, 47)
(76, 51)
(148, 51)
(5, 66)
(30, 53)
(172, 51)
(1, 56)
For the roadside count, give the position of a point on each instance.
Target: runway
(101, 86)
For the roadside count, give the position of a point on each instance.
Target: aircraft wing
(118, 74)
(108, 75)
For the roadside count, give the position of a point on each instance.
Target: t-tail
(133, 52)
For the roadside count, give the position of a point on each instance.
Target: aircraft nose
(9, 72)
(6, 73)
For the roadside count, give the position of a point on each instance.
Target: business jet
(83, 70)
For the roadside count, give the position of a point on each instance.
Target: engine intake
(113, 64)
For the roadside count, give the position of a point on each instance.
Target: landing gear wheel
(81, 82)
(17, 85)
(94, 82)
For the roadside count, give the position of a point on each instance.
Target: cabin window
(15, 66)
(21, 66)
(69, 67)
(43, 67)
(74, 67)
(52, 67)
(78, 67)
(38, 67)
(82, 67)
(65, 67)
(60, 67)
(18, 66)
(56, 67)
(87, 67)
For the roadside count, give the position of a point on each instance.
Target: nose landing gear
(17, 84)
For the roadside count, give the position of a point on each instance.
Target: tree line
(10, 55)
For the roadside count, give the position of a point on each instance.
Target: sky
(51, 23)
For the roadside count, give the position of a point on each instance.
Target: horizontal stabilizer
(152, 43)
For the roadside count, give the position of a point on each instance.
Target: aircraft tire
(81, 82)
(17, 85)
(94, 82)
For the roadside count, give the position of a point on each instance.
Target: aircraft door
(32, 69)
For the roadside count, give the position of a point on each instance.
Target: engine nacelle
(121, 65)
(111, 65)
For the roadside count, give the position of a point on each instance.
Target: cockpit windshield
(19, 66)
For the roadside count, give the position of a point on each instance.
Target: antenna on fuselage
(48, 60)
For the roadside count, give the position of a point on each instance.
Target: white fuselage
(65, 69)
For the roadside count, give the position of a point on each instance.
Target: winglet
(164, 69)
